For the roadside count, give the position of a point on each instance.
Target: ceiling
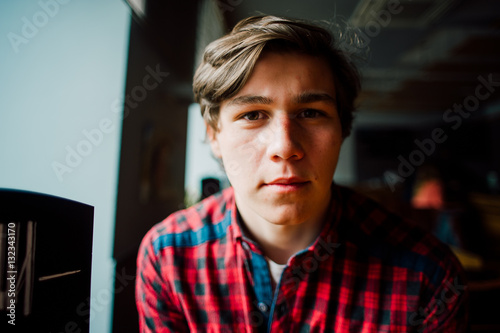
(417, 56)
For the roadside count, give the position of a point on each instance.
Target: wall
(62, 75)
(151, 178)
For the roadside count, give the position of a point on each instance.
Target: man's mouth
(288, 181)
(288, 184)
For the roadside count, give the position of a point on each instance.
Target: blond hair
(229, 61)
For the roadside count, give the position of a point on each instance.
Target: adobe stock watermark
(32, 25)
(94, 137)
(424, 316)
(454, 116)
(311, 264)
(11, 278)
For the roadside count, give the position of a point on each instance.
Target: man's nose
(285, 141)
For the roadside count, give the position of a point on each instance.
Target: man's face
(279, 139)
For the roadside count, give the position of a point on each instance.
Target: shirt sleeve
(446, 310)
(158, 311)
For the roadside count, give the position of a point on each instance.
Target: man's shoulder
(394, 239)
(202, 222)
(404, 260)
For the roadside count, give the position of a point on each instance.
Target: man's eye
(310, 113)
(253, 115)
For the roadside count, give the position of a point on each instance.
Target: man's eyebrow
(303, 98)
(249, 99)
(310, 97)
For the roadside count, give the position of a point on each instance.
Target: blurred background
(96, 106)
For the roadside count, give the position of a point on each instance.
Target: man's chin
(286, 214)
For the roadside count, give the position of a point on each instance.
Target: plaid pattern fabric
(366, 272)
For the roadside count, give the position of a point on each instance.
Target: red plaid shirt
(366, 272)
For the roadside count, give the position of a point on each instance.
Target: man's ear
(214, 142)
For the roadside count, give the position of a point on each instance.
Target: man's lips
(288, 181)
(287, 185)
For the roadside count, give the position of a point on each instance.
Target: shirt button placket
(245, 246)
(263, 307)
(281, 309)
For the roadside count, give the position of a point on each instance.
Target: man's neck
(280, 242)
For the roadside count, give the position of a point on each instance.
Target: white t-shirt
(276, 270)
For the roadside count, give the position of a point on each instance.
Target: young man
(284, 249)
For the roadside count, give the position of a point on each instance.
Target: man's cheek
(248, 153)
(233, 169)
